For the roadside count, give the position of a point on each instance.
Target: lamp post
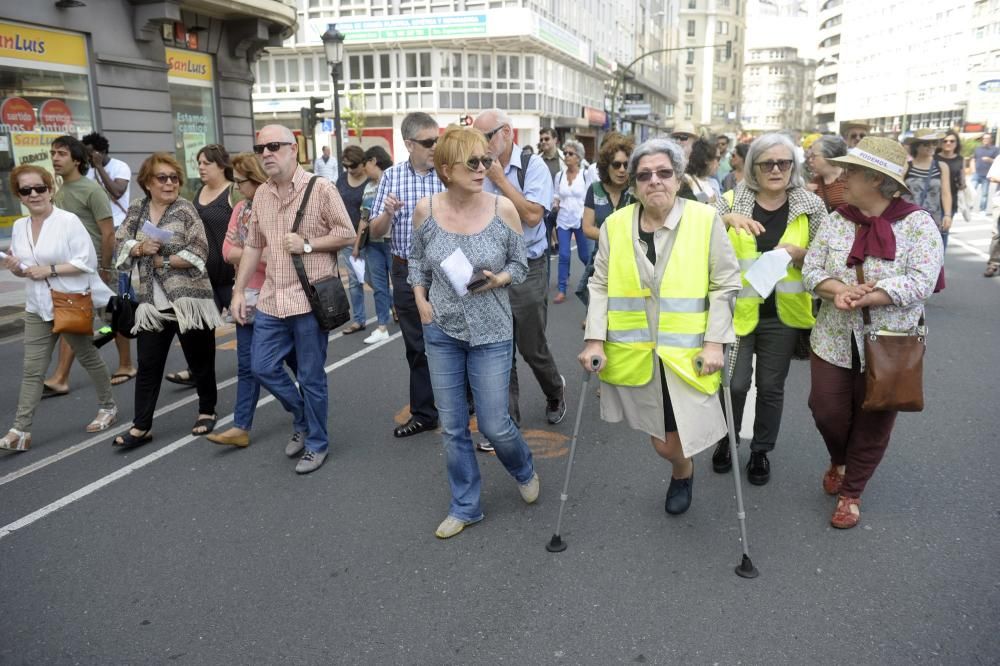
(333, 44)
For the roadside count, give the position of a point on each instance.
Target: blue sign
(327, 125)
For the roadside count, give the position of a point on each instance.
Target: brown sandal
(847, 514)
(832, 480)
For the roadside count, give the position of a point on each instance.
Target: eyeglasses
(855, 135)
(472, 164)
(569, 154)
(240, 181)
(38, 189)
(768, 166)
(948, 141)
(273, 146)
(680, 137)
(618, 165)
(493, 132)
(162, 178)
(351, 165)
(662, 174)
(426, 143)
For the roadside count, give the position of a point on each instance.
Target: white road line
(968, 247)
(108, 434)
(961, 229)
(91, 488)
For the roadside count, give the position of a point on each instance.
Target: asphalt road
(182, 551)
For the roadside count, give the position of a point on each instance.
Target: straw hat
(856, 123)
(924, 135)
(879, 154)
(685, 127)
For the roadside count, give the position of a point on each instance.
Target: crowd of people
(456, 241)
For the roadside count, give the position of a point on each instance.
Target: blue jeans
(982, 185)
(487, 368)
(247, 386)
(273, 340)
(582, 251)
(378, 262)
(355, 288)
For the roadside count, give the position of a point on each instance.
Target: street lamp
(333, 44)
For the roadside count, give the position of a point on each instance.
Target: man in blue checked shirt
(401, 187)
(531, 193)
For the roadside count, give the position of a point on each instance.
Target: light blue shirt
(537, 189)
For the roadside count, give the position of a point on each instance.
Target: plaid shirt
(272, 217)
(409, 187)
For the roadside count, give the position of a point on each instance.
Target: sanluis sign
(47, 46)
(189, 65)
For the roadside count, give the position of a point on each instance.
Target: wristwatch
(53, 273)
(306, 247)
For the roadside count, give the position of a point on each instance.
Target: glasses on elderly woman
(162, 178)
(768, 165)
(662, 174)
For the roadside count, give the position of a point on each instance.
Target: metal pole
(745, 569)
(335, 75)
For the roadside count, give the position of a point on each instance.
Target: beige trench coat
(700, 419)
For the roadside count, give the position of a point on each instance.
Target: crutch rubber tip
(746, 569)
(556, 544)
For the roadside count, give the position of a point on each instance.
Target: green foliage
(354, 114)
(968, 146)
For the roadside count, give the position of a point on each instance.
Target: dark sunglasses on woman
(162, 178)
(472, 164)
(768, 166)
(38, 189)
(662, 174)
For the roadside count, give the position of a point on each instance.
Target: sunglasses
(948, 141)
(38, 189)
(618, 165)
(681, 137)
(662, 174)
(853, 135)
(472, 164)
(493, 132)
(768, 166)
(568, 154)
(273, 146)
(351, 165)
(426, 143)
(163, 178)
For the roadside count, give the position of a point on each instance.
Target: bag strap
(523, 173)
(300, 268)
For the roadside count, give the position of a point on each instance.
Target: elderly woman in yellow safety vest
(770, 210)
(661, 301)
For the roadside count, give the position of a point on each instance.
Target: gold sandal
(105, 419)
(15, 440)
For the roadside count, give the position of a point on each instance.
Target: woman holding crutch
(660, 311)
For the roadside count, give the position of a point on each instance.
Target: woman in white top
(51, 249)
(570, 191)
(704, 162)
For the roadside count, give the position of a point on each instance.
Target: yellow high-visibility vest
(794, 304)
(683, 303)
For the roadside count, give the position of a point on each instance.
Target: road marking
(973, 227)
(968, 247)
(102, 437)
(91, 488)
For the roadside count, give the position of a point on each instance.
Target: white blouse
(62, 239)
(571, 197)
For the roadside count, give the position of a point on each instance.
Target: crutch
(556, 544)
(745, 569)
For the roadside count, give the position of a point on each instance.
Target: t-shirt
(117, 170)
(982, 166)
(554, 164)
(352, 197)
(89, 202)
(775, 222)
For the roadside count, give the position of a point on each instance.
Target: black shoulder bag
(326, 296)
(122, 305)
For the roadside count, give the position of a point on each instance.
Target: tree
(354, 114)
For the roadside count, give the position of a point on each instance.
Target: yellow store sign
(24, 43)
(189, 65)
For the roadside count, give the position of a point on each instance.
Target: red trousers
(855, 438)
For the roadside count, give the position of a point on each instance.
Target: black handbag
(327, 296)
(122, 306)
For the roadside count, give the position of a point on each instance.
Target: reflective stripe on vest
(682, 302)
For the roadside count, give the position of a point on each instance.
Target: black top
(215, 217)
(956, 166)
(647, 238)
(775, 222)
(352, 197)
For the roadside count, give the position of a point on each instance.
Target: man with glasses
(284, 320)
(684, 133)
(531, 193)
(548, 148)
(853, 132)
(399, 190)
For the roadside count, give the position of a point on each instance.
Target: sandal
(184, 378)
(206, 422)
(412, 427)
(354, 328)
(123, 377)
(15, 440)
(105, 419)
(832, 480)
(49, 392)
(847, 514)
(128, 440)
(992, 269)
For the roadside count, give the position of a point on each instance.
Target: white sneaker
(529, 490)
(378, 336)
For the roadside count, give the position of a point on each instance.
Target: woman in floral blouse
(900, 250)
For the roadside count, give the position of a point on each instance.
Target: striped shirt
(409, 187)
(272, 218)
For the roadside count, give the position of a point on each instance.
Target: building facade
(983, 86)
(546, 63)
(150, 76)
(710, 80)
(777, 91)
(831, 18)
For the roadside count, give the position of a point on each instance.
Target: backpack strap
(523, 173)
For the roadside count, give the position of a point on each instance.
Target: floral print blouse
(909, 281)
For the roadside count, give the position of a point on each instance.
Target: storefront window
(192, 98)
(44, 93)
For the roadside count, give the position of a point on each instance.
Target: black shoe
(413, 427)
(679, 495)
(721, 460)
(758, 469)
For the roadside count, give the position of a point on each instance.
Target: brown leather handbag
(894, 367)
(73, 313)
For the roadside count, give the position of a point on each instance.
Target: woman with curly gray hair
(660, 311)
(771, 209)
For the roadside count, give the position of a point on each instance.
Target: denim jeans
(273, 340)
(582, 250)
(247, 386)
(355, 288)
(487, 368)
(982, 185)
(378, 262)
